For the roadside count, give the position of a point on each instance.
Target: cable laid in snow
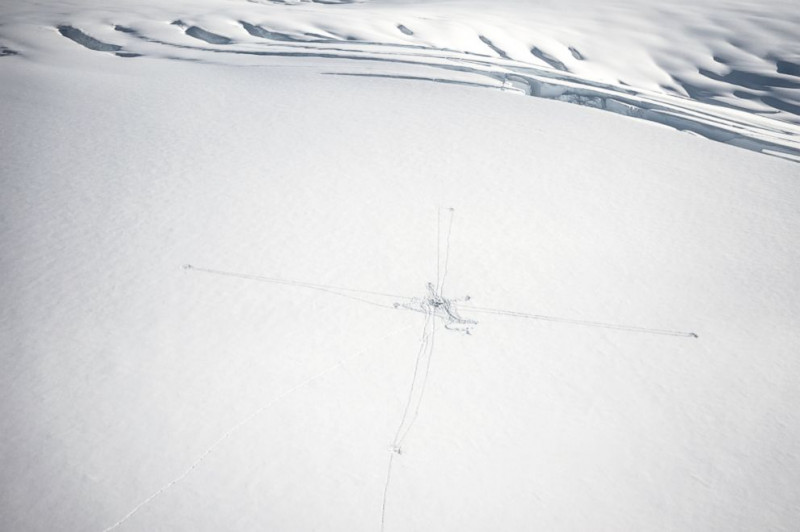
(228, 433)
(415, 394)
(440, 280)
(416, 391)
(424, 354)
(426, 342)
(336, 290)
(585, 323)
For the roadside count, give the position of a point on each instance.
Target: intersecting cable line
(422, 387)
(432, 335)
(336, 290)
(234, 428)
(440, 282)
(423, 349)
(586, 323)
(425, 352)
(427, 331)
(386, 491)
(438, 245)
(426, 349)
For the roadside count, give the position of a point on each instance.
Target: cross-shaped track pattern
(435, 306)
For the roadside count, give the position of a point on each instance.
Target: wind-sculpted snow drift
(728, 75)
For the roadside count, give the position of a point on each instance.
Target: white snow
(140, 395)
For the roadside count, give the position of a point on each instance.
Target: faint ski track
(242, 423)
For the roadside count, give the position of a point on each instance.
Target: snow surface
(724, 70)
(141, 395)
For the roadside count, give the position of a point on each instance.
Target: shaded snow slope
(723, 70)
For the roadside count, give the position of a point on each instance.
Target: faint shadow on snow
(783, 105)
(751, 80)
(745, 85)
(6, 52)
(445, 81)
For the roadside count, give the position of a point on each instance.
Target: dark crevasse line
(76, 35)
(709, 97)
(782, 105)
(6, 52)
(323, 53)
(258, 31)
(592, 94)
(549, 59)
(751, 80)
(618, 104)
(653, 112)
(788, 68)
(263, 33)
(211, 38)
(575, 53)
(490, 44)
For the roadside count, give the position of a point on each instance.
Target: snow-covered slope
(724, 70)
(141, 395)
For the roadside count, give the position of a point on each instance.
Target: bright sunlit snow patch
(229, 303)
